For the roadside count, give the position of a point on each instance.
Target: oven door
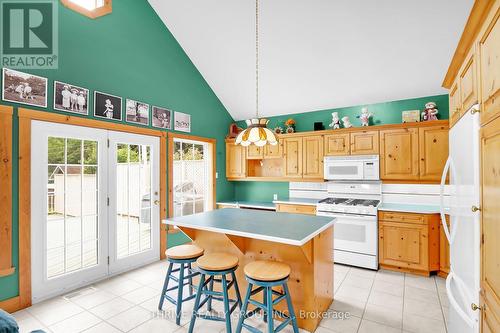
(354, 233)
(344, 170)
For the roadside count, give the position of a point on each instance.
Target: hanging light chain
(257, 58)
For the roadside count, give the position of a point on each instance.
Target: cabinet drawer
(402, 217)
(297, 209)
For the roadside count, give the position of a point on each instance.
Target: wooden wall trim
(11, 304)
(6, 192)
(170, 145)
(25, 118)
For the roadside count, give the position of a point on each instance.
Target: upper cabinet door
(292, 151)
(337, 144)
(489, 50)
(468, 82)
(399, 154)
(313, 157)
(433, 151)
(275, 151)
(365, 142)
(454, 103)
(255, 152)
(235, 161)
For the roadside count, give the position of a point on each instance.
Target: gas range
(349, 205)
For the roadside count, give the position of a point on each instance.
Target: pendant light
(256, 132)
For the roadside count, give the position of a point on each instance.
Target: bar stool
(184, 256)
(265, 275)
(211, 267)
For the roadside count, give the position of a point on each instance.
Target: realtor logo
(29, 34)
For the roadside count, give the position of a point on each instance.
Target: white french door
(82, 229)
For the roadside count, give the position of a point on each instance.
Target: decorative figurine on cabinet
(335, 124)
(365, 116)
(347, 123)
(290, 125)
(430, 112)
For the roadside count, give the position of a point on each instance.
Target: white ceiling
(317, 54)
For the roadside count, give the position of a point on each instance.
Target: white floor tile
(348, 305)
(346, 325)
(102, 327)
(29, 323)
(441, 284)
(130, 318)
(93, 299)
(421, 282)
(383, 315)
(157, 325)
(417, 324)
(388, 287)
(385, 299)
(362, 272)
(423, 309)
(422, 295)
(77, 323)
(390, 276)
(22, 315)
(111, 308)
(373, 327)
(358, 281)
(443, 298)
(347, 291)
(140, 295)
(118, 285)
(54, 310)
(341, 268)
(143, 276)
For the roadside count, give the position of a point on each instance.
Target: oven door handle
(364, 217)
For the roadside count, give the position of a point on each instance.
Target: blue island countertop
(286, 228)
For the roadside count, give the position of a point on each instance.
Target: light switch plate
(216, 175)
(275, 196)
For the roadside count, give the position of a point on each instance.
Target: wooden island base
(311, 280)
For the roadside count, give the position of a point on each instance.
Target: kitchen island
(304, 242)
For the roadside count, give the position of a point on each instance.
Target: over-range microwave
(354, 167)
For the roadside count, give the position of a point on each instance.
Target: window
(90, 8)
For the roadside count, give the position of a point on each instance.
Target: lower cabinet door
(403, 245)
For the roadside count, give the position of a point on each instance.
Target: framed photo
(70, 98)
(411, 116)
(161, 118)
(107, 106)
(137, 112)
(23, 88)
(182, 122)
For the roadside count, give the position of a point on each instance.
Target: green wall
(129, 53)
(384, 113)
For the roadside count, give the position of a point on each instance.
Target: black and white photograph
(182, 122)
(24, 88)
(162, 118)
(107, 106)
(137, 112)
(71, 98)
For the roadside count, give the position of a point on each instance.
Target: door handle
(475, 209)
(157, 202)
(475, 307)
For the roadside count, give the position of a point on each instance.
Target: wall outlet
(216, 175)
(275, 196)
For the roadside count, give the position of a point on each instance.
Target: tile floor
(380, 301)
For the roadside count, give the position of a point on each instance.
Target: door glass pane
(190, 170)
(133, 199)
(71, 198)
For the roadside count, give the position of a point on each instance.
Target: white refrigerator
(463, 282)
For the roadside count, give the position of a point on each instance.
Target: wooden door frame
(25, 117)
(170, 145)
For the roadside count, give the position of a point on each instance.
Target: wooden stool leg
(243, 312)
(196, 303)
(237, 289)
(180, 292)
(290, 309)
(226, 303)
(269, 309)
(165, 286)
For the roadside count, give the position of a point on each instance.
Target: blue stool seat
(214, 268)
(266, 271)
(183, 256)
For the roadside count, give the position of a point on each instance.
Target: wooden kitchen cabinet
(235, 160)
(399, 154)
(337, 144)
(292, 154)
(433, 152)
(275, 151)
(312, 157)
(468, 83)
(409, 242)
(255, 152)
(489, 50)
(454, 97)
(297, 209)
(365, 143)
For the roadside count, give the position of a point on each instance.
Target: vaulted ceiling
(317, 54)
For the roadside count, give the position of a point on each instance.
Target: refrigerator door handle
(441, 200)
(468, 320)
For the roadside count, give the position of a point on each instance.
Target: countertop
(409, 208)
(297, 201)
(286, 228)
(249, 204)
